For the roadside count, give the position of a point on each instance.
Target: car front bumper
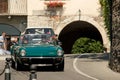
(42, 60)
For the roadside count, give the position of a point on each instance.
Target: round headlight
(23, 52)
(60, 52)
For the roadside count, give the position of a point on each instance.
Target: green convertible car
(37, 49)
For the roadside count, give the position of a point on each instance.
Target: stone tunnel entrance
(71, 32)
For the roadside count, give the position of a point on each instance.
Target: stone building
(70, 19)
(114, 62)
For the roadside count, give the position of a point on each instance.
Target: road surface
(77, 67)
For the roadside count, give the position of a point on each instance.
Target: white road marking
(80, 72)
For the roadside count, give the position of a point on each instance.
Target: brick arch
(90, 20)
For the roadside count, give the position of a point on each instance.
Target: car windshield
(35, 39)
(48, 31)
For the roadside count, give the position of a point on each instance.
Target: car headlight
(59, 52)
(23, 52)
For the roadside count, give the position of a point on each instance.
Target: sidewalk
(3, 57)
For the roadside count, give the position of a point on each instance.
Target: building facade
(66, 17)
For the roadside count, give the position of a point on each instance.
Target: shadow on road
(100, 56)
(39, 69)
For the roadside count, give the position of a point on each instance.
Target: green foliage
(87, 45)
(105, 8)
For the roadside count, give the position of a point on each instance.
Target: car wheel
(59, 67)
(13, 64)
(18, 66)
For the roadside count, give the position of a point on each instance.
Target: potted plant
(54, 4)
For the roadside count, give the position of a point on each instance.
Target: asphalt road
(77, 67)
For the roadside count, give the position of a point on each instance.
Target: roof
(9, 29)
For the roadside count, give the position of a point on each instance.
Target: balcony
(54, 8)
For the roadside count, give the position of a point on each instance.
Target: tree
(87, 45)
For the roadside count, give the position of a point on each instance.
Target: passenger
(25, 40)
(55, 39)
(3, 41)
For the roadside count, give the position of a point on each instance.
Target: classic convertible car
(37, 49)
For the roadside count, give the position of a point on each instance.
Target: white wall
(71, 7)
(34, 5)
(89, 7)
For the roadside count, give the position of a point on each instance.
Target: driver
(25, 39)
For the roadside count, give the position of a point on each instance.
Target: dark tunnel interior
(75, 30)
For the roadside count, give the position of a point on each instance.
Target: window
(3, 6)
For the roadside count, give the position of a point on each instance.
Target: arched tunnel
(71, 32)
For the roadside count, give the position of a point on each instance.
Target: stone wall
(39, 21)
(20, 22)
(115, 47)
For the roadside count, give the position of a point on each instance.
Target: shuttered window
(3, 6)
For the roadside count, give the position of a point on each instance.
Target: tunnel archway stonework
(98, 25)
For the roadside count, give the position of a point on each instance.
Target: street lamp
(79, 13)
(9, 17)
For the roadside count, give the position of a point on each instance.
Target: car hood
(41, 50)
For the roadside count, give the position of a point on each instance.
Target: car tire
(13, 64)
(18, 66)
(59, 67)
